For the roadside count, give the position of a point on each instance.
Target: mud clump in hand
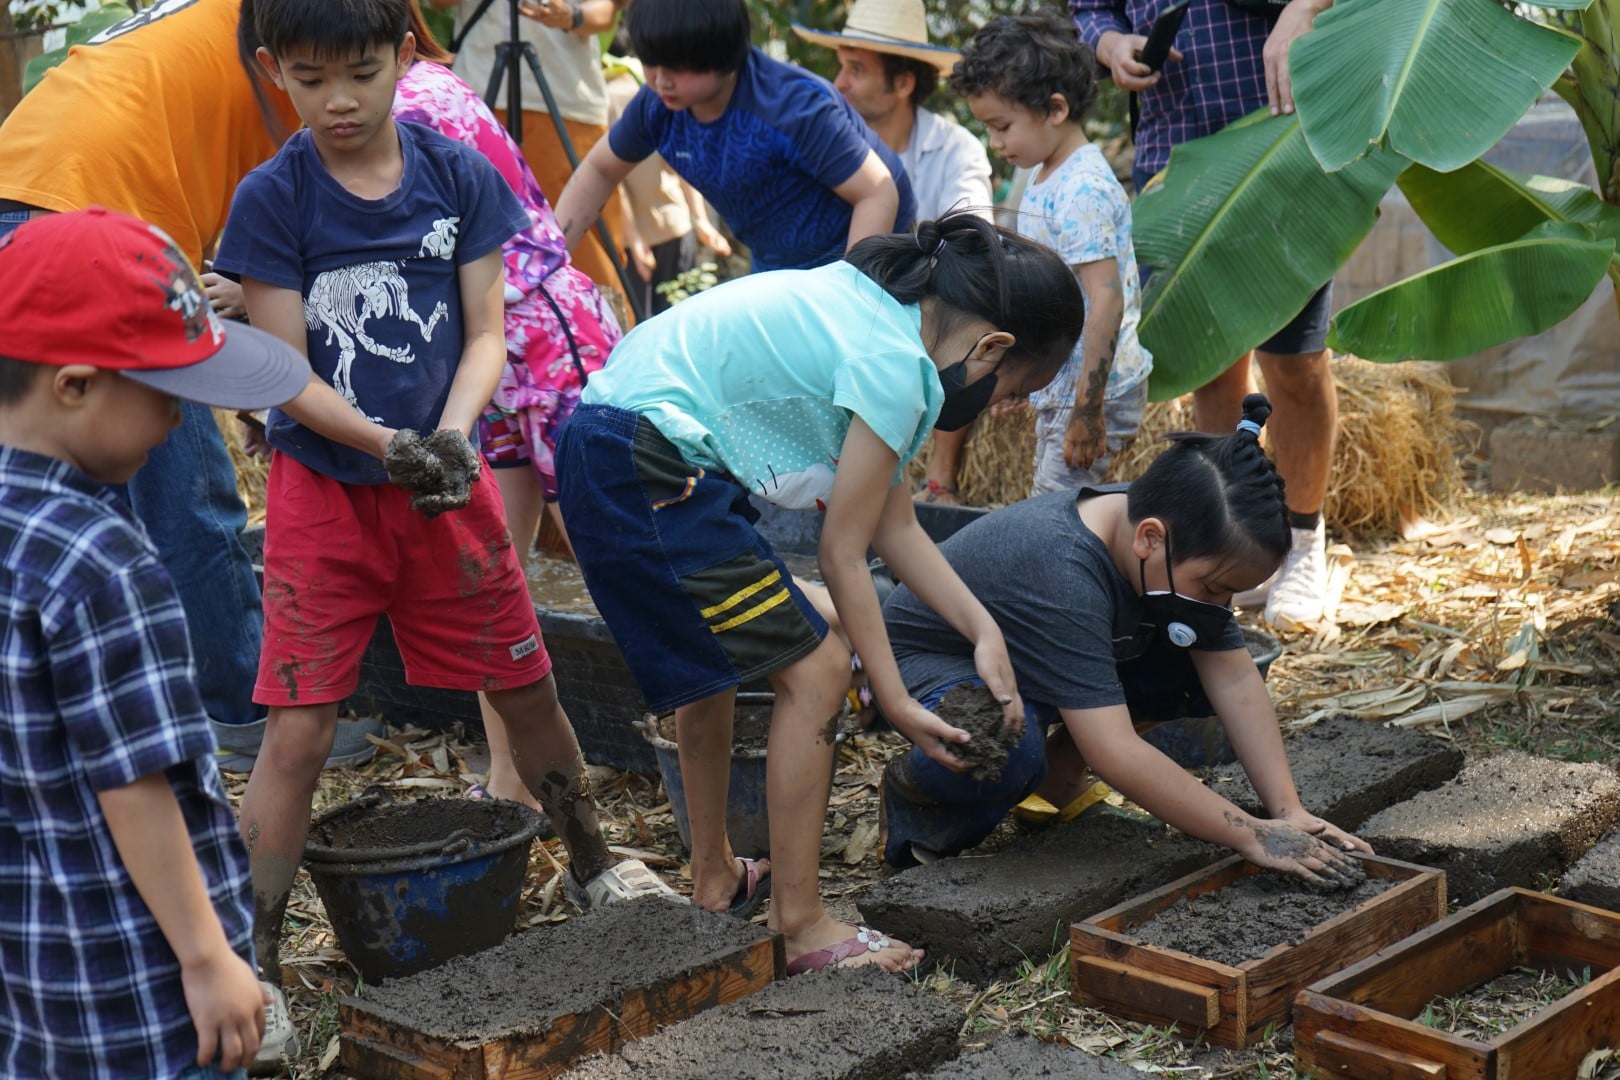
(438, 471)
(976, 711)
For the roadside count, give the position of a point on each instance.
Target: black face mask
(1185, 621)
(963, 402)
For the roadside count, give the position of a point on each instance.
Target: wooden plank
(1463, 1059)
(1353, 935)
(1551, 1045)
(1474, 945)
(1115, 985)
(1345, 1055)
(372, 1046)
(1569, 934)
(1089, 940)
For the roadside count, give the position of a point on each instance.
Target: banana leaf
(1482, 299)
(93, 23)
(1437, 81)
(1480, 205)
(1245, 227)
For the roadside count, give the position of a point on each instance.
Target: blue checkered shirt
(97, 690)
(1220, 79)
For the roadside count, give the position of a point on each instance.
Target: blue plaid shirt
(1221, 78)
(97, 690)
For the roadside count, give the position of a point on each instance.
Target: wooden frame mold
(379, 1047)
(1233, 1006)
(1360, 1022)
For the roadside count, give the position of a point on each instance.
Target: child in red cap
(125, 909)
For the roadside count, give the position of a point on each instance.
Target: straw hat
(885, 26)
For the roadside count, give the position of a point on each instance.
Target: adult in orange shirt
(160, 116)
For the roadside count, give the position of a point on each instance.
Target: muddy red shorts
(337, 555)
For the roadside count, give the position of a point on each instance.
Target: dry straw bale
(251, 472)
(1397, 452)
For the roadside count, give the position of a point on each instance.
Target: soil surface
(1020, 1057)
(413, 822)
(1512, 819)
(1250, 917)
(1596, 878)
(750, 729)
(859, 1024)
(976, 711)
(534, 978)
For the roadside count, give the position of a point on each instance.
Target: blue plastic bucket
(411, 883)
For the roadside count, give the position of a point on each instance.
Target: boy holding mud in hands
(374, 248)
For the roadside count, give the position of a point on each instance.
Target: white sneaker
(625, 880)
(1299, 591)
(280, 1042)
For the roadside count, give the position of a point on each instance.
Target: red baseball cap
(105, 289)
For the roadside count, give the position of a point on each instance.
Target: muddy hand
(1279, 845)
(459, 465)
(411, 464)
(933, 736)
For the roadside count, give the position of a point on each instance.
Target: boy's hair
(926, 76)
(978, 269)
(1219, 495)
(691, 35)
(17, 378)
(330, 29)
(1026, 59)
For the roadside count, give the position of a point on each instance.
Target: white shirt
(571, 64)
(947, 165)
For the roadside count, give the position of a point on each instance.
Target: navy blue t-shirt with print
(379, 278)
(769, 163)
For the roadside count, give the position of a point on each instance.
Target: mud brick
(986, 914)
(1347, 769)
(1536, 455)
(1023, 1057)
(856, 1024)
(546, 998)
(1513, 819)
(1595, 879)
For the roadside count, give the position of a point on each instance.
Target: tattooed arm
(1087, 437)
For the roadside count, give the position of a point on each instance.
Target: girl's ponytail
(977, 269)
(1219, 494)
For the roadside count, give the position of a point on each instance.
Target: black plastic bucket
(411, 883)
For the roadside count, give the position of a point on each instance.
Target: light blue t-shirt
(759, 377)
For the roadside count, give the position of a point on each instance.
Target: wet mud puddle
(1250, 917)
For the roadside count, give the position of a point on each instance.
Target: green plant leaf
(1244, 229)
(1482, 299)
(1437, 81)
(93, 23)
(1590, 90)
(1480, 205)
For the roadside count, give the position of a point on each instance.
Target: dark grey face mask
(963, 402)
(1185, 621)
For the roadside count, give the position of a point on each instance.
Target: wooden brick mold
(1233, 1006)
(1360, 1022)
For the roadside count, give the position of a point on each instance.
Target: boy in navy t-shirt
(375, 248)
(789, 164)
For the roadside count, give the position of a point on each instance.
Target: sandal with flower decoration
(864, 940)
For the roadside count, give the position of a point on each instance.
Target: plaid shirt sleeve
(125, 683)
(1094, 18)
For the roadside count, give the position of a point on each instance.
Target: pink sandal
(865, 939)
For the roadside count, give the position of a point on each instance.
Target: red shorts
(338, 555)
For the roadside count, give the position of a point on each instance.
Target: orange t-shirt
(156, 117)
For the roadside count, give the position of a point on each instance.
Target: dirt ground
(1495, 628)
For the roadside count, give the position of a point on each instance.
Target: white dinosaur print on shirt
(345, 300)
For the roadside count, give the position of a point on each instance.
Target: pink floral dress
(558, 328)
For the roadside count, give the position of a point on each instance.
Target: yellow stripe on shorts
(742, 594)
(754, 612)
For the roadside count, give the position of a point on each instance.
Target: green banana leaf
(1480, 205)
(1437, 81)
(1590, 90)
(1244, 229)
(1482, 299)
(93, 23)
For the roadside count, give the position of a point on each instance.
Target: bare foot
(501, 786)
(731, 886)
(855, 942)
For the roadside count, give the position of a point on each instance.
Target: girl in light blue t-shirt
(811, 389)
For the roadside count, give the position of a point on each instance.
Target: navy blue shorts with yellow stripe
(694, 596)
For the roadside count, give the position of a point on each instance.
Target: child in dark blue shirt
(789, 164)
(375, 249)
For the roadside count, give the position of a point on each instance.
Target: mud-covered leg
(548, 760)
(275, 816)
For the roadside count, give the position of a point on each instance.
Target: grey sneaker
(1298, 598)
(280, 1042)
(239, 743)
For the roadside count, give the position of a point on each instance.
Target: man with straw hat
(886, 70)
